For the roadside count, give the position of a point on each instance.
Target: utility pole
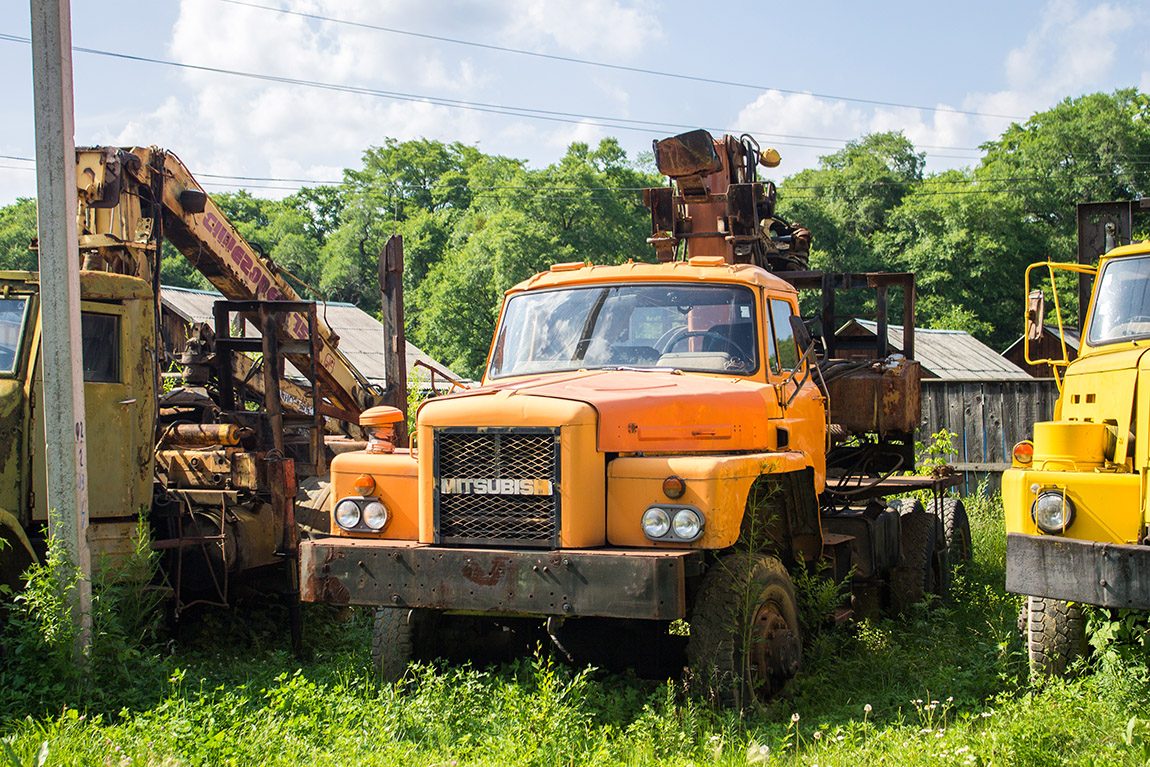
(61, 349)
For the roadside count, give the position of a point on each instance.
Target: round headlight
(656, 522)
(375, 515)
(347, 514)
(687, 523)
(1052, 511)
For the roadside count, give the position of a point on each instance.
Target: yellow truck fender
(16, 553)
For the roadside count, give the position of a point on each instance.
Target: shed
(987, 402)
(360, 334)
(1048, 345)
(949, 354)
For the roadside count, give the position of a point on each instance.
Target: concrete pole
(63, 414)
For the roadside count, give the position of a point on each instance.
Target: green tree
(17, 230)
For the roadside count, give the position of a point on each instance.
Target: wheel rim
(774, 652)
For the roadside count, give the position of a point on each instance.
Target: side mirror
(802, 335)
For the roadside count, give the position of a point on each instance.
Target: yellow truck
(211, 460)
(1076, 500)
(651, 444)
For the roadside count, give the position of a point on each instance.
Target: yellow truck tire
(1055, 635)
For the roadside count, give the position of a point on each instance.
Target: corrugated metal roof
(360, 334)
(950, 354)
(1070, 333)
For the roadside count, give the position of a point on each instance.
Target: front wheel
(745, 638)
(1055, 635)
(399, 635)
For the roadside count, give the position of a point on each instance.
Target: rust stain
(473, 572)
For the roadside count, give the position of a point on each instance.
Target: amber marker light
(364, 484)
(674, 487)
(1024, 453)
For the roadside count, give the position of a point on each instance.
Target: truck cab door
(118, 342)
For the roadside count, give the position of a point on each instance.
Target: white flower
(962, 750)
(867, 708)
(795, 717)
(818, 735)
(950, 699)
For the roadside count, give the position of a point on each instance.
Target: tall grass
(943, 685)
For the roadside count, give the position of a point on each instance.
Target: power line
(614, 123)
(604, 65)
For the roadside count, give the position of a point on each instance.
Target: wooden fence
(987, 419)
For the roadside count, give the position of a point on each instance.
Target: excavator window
(100, 341)
(11, 332)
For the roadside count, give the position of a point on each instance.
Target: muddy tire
(745, 641)
(956, 529)
(1055, 635)
(399, 635)
(913, 578)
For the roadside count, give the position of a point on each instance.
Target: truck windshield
(1122, 303)
(708, 328)
(11, 332)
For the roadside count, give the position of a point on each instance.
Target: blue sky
(1000, 60)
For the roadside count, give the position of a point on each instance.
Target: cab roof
(694, 270)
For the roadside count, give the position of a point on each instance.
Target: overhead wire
(577, 118)
(605, 65)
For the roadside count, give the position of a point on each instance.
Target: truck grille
(497, 486)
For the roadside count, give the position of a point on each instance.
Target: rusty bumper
(1104, 574)
(610, 583)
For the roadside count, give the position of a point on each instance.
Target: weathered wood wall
(987, 419)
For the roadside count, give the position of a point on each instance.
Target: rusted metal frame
(182, 543)
(882, 342)
(235, 269)
(891, 485)
(224, 355)
(606, 583)
(318, 457)
(1105, 574)
(268, 330)
(1101, 226)
(394, 339)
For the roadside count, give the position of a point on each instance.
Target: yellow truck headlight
(1052, 511)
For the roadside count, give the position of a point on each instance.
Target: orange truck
(651, 444)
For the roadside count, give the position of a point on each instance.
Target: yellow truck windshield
(707, 328)
(1122, 302)
(11, 332)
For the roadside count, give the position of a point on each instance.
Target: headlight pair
(362, 514)
(672, 523)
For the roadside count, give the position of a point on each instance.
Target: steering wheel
(1125, 327)
(725, 340)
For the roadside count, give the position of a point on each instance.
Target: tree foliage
(475, 224)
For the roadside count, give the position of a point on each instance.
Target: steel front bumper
(1104, 574)
(611, 583)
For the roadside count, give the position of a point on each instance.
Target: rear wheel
(914, 576)
(745, 638)
(956, 529)
(1055, 636)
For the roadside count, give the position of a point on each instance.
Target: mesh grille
(497, 518)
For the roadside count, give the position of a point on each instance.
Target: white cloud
(798, 125)
(589, 28)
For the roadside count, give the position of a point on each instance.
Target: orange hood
(659, 411)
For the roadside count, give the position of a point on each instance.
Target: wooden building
(986, 401)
